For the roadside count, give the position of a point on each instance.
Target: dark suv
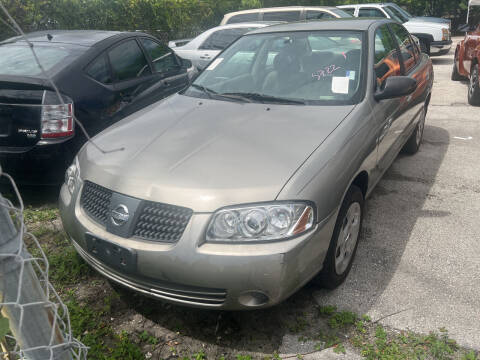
(103, 76)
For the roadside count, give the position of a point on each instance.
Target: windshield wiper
(212, 93)
(206, 90)
(264, 98)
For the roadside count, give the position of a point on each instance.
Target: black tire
(329, 277)
(455, 74)
(425, 46)
(474, 87)
(413, 143)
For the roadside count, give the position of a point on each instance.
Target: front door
(389, 112)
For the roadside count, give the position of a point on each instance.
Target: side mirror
(396, 86)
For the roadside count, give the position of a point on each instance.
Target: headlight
(71, 176)
(268, 222)
(445, 34)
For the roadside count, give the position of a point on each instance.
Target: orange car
(467, 57)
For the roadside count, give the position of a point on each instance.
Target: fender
(459, 56)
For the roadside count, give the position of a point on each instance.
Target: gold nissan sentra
(249, 183)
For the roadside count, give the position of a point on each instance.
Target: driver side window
(387, 62)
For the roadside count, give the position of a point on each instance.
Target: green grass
(43, 214)
(89, 326)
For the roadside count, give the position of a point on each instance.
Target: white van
(287, 13)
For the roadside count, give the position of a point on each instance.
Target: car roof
(329, 24)
(280, 8)
(368, 4)
(74, 37)
(259, 24)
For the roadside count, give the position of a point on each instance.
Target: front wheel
(474, 87)
(344, 242)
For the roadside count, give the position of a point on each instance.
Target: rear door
(132, 74)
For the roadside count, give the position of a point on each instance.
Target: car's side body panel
(467, 52)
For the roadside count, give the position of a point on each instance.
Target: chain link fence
(38, 319)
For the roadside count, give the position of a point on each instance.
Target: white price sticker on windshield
(214, 64)
(340, 84)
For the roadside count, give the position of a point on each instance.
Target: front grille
(191, 295)
(155, 221)
(95, 201)
(162, 222)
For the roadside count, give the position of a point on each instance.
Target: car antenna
(49, 37)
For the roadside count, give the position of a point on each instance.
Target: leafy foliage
(170, 18)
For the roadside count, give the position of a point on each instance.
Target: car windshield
(395, 14)
(341, 13)
(314, 67)
(17, 59)
(403, 11)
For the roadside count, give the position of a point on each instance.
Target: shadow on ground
(441, 61)
(391, 214)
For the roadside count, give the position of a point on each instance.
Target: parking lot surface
(418, 266)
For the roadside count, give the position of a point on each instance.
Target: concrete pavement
(418, 266)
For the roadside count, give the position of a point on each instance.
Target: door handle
(205, 57)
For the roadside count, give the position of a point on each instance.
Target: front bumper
(440, 47)
(198, 274)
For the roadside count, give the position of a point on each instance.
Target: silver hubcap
(420, 127)
(473, 80)
(347, 238)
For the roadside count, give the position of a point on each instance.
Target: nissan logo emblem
(119, 215)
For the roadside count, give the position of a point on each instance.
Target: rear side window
(100, 70)
(371, 12)
(318, 15)
(387, 62)
(407, 48)
(128, 61)
(243, 18)
(220, 39)
(162, 56)
(281, 16)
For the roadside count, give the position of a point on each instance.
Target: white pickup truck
(433, 33)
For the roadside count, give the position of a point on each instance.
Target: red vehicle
(467, 57)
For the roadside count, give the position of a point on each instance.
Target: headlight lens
(71, 175)
(268, 222)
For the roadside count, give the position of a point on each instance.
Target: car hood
(430, 19)
(206, 154)
(426, 24)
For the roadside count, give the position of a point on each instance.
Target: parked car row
(434, 34)
(236, 191)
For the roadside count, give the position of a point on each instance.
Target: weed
(67, 267)
(244, 357)
(327, 310)
(32, 215)
(342, 319)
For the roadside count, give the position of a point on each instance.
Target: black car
(103, 76)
